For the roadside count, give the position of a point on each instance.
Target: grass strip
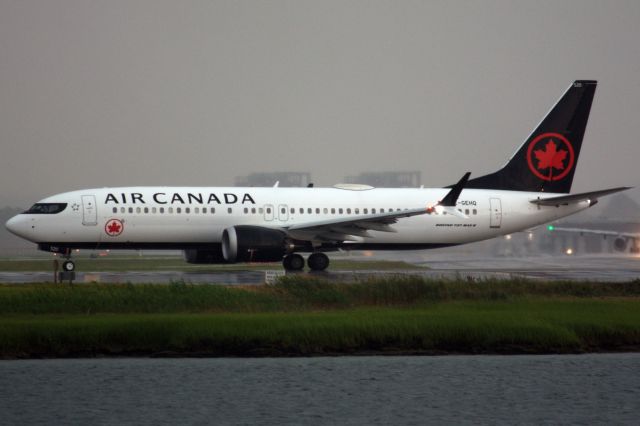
(303, 315)
(526, 326)
(297, 293)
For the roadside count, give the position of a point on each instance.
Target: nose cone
(17, 225)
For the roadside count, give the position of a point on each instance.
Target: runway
(602, 268)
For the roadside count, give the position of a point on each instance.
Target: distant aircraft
(228, 224)
(621, 240)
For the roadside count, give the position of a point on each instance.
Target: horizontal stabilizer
(576, 198)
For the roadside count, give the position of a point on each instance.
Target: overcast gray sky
(109, 93)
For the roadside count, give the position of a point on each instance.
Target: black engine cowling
(620, 244)
(246, 243)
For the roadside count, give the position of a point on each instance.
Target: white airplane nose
(16, 225)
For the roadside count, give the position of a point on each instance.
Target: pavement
(610, 268)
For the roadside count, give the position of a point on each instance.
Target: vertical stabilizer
(547, 160)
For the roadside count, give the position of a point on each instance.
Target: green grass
(296, 293)
(455, 327)
(308, 316)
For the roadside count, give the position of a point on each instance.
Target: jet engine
(620, 244)
(247, 243)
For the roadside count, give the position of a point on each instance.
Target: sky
(137, 92)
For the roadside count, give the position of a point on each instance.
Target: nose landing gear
(68, 266)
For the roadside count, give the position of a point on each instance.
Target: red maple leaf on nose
(550, 157)
(114, 228)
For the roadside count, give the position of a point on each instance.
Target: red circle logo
(114, 227)
(550, 156)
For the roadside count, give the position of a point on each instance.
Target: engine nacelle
(204, 256)
(247, 243)
(620, 244)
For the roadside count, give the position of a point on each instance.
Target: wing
(357, 227)
(341, 229)
(602, 232)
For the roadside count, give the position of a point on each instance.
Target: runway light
(550, 227)
(507, 237)
(569, 251)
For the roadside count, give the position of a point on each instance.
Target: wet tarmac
(573, 268)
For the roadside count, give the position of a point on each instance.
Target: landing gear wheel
(293, 262)
(68, 266)
(318, 261)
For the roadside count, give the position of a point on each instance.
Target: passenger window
(146, 210)
(196, 210)
(381, 210)
(301, 210)
(229, 210)
(138, 210)
(466, 211)
(268, 210)
(130, 209)
(260, 210)
(325, 210)
(153, 209)
(246, 210)
(170, 210)
(357, 211)
(373, 211)
(333, 211)
(283, 210)
(340, 211)
(366, 211)
(187, 210)
(122, 209)
(475, 211)
(317, 210)
(115, 210)
(161, 209)
(253, 210)
(293, 210)
(213, 210)
(348, 211)
(204, 210)
(309, 210)
(178, 209)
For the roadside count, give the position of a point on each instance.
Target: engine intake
(620, 244)
(247, 243)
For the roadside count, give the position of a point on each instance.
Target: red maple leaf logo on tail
(550, 157)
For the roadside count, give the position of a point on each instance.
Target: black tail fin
(547, 160)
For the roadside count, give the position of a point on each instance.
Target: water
(566, 389)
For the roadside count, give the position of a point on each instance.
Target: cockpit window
(46, 208)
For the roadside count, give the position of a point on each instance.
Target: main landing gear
(316, 262)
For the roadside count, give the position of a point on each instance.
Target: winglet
(451, 198)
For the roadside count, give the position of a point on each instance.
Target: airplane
(267, 224)
(621, 240)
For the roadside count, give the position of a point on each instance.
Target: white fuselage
(185, 217)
